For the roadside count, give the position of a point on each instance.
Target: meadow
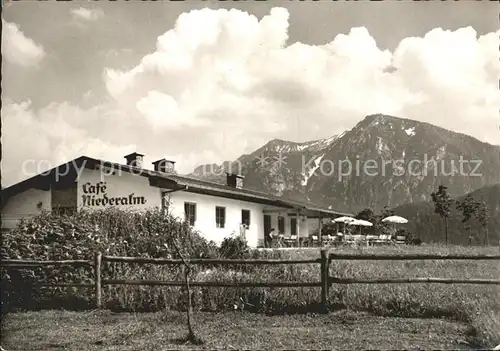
(474, 306)
(346, 330)
(477, 306)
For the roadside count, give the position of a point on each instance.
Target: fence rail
(412, 257)
(414, 280)
(27, 263)
(205, 261)
(64, 285)
(213, 284)
(324, 282)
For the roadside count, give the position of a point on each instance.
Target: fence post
(97, 274)
(325, 263)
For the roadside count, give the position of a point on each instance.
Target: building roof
(68, 172)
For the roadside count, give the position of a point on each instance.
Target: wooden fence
(325, 280)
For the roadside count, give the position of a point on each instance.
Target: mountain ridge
(312, 171)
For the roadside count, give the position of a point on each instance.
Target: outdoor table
(289, 242)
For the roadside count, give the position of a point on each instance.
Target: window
(64, 198)
(220, 216)
(64, 210)
(190, 212)
(245, 217)
(281, 225)
(239, 182)
(293, 226)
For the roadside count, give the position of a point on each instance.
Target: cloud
(19, 49)
(221, 83)
(163, 111)
(84, 14)
(239, 75)
(35, 140)
(456, 74)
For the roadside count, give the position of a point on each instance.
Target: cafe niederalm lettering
(95, 195)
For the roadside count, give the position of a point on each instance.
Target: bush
(234, 248)
(113, 232)
(410, 239)
(415, 241)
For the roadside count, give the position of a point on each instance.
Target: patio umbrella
(361, 223)
(395, 220)
(343, 220)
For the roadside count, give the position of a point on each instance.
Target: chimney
(235, 180)
(134, 159)
(164, 165)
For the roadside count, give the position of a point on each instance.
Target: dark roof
(162, 160)
(133, 154)
(168, 180)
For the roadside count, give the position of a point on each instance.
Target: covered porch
(296, 226)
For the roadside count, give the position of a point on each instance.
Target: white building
(215, 210)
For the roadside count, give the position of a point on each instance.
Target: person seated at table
(270, 237)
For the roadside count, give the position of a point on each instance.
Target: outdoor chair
(278, 241)
(287, 241)
(314, 241)
(383, 239)
(348, 238)
(358, 237)
(400, 240)
(291, 241)
(371, 239)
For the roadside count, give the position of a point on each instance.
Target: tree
(381, 226)
(185, 257)
(483, 216)
(191, 337)
(387, 212)
(469, 207)
(442, 206)
(367, 215)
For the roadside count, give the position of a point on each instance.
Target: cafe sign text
(95, 195)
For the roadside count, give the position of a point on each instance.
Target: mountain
(263, 171)
(392, 161)
(428, 226)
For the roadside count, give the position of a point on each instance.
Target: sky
(203, 82)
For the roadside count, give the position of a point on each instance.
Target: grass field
(103, 330)
(478, 305)
(438, 310)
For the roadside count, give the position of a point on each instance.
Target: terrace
(343, 232)
(313, 241)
